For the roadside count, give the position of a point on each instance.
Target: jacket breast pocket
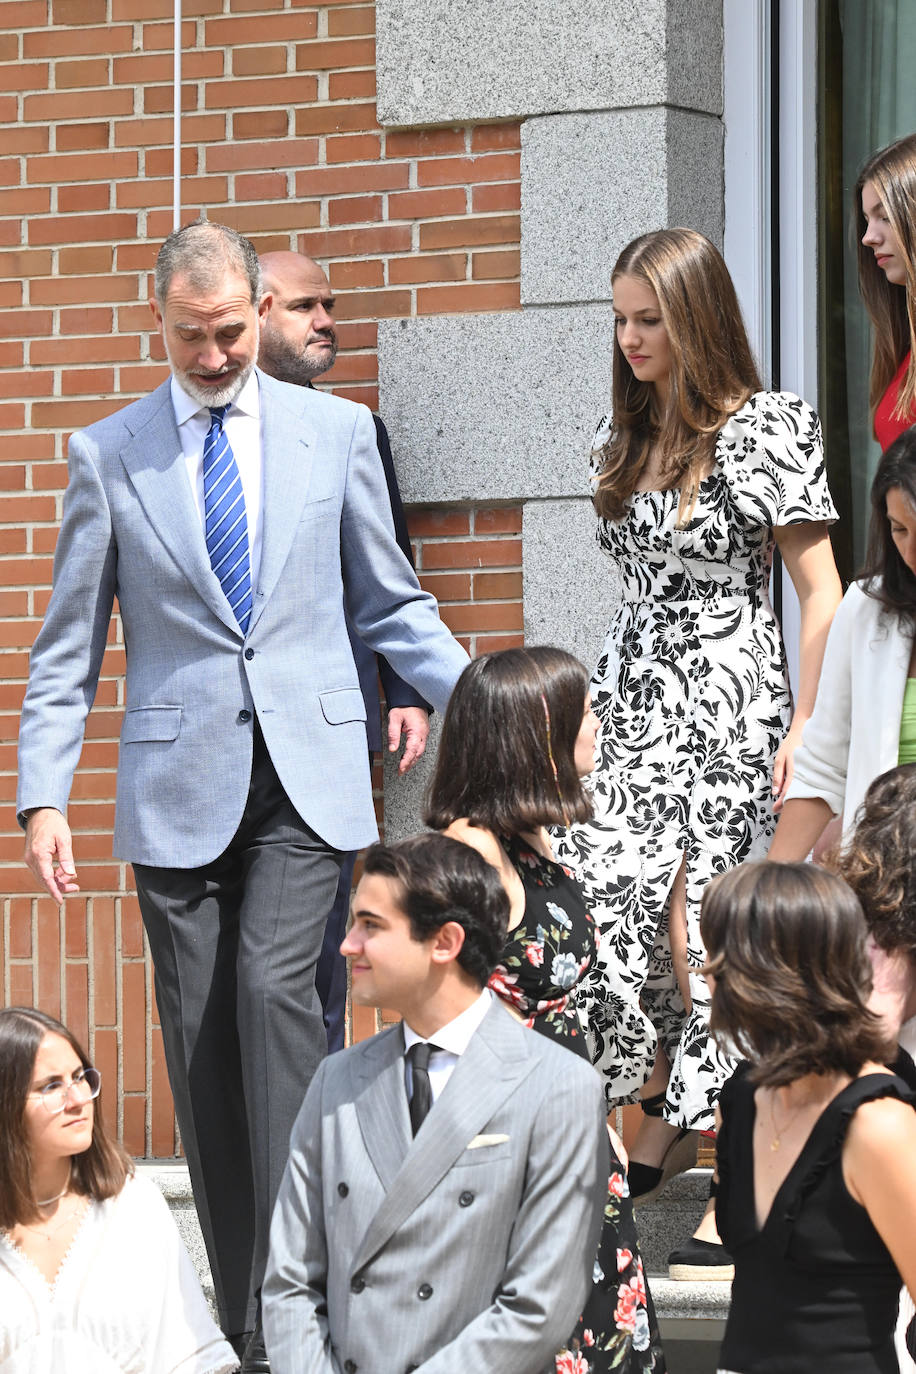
(145, 723)
(485, 1153)
(342, 704)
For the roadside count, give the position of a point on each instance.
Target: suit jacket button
(424, 1292)
(249, 654)
(466, 1199)
(244, 717)
(357, 1284)
(342, 1189)
(350, 1366)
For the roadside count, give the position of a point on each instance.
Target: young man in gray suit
(442, 1202)
(231, 515)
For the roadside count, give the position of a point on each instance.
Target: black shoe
(647, 1180)
(255, 1360)
(700, 1261)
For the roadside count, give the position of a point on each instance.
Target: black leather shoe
(255, 1360)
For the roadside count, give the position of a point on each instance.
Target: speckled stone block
(569, 586)
(439, 62)
(591, 182)
(495, 407)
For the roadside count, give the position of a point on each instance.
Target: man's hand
(49, 852)
(413, 723)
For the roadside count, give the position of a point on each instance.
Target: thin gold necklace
(49, 1234)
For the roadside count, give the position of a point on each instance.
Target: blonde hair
(891, 308)
(712, 370)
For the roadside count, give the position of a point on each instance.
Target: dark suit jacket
(371, 666)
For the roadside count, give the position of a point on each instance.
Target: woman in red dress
(885, 209)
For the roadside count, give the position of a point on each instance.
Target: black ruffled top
(815, 1288)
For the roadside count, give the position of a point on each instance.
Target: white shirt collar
(455, 1035)
(248, 401)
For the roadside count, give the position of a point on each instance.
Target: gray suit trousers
(235, 945)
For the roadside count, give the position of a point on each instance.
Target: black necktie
(421, 1097)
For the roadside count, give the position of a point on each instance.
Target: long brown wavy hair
(892, 308)
(712, 370)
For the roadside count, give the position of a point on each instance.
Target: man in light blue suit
(230, 514)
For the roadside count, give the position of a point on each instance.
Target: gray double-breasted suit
(468, 1247)
(235, 955)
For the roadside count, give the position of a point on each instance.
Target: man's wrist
(23, 816)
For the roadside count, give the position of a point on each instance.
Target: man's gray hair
(204, 252)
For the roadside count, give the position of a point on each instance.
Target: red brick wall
(281, 141)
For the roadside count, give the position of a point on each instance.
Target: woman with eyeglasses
(93, 1275)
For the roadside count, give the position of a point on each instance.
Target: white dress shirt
(448, 1044)
(242, 427)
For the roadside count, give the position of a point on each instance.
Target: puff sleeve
(772, 456)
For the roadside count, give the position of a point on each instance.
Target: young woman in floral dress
(699, 474)
(518, 735)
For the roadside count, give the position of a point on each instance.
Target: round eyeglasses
(56, 1095)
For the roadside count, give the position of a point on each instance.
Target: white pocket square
(480, 1140)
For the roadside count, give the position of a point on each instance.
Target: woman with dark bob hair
(93, 1275)
(518, 737)
(864, 719)
(817, 1193)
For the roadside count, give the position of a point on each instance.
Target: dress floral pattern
(546, 958)
(693, 697)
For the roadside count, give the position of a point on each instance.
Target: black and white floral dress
(693, 698)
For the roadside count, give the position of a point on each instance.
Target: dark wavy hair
(712, 374)
(879, 861)
(885, 576)
(443, 880)
(505, 759)
(891, 308)
(99, 1172)
(786, 945)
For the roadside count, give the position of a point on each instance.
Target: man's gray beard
(211, 396)
(206, 395)
(288, 364)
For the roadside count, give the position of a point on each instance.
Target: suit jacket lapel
(154, 463)
(288, 446)
(381, 1104)
(496, 1060)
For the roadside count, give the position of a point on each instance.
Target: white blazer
(854, 732)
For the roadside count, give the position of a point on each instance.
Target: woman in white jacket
(864, 719)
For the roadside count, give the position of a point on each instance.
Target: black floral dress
(546, 957)
(693, 698)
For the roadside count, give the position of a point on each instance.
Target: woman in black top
(817, 1192)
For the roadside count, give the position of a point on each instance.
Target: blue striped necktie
(224, 517)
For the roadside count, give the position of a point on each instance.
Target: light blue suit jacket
(131, 530)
